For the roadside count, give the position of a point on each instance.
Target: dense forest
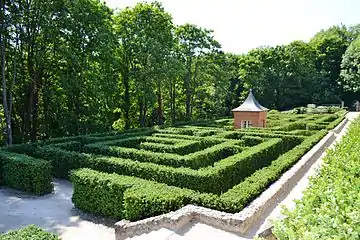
(71, 67)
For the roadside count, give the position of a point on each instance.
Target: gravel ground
(53, 212)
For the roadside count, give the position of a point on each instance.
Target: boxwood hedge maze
(146, 172)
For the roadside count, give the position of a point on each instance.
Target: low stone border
(238, 222)
(341, 126)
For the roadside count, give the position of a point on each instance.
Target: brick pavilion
(250, 113)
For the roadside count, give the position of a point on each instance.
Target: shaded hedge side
(25, 173)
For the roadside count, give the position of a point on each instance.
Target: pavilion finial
(251, 90)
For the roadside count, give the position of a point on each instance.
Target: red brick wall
(258, 119)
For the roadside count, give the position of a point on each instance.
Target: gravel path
(53, 212)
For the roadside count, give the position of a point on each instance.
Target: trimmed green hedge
(30, 232)
(333, 124)
(182, 147)
(199, 158)
(89, 138)
(121, 196)
(25, 173)
(215, 179)
(134, 198)
(329, 208)
(240, 195)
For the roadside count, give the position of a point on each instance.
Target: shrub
(183, 147)
(100, 193)
(145, 200)
(211, 155)
(88, 138)
(214, 179)
(25, 148)
(200, 158)
(329, 208)
(240, 195)
(26, 173)
(70, 146)
(335, 123)
(121, 196)
(163, 140)
(134, 198)
(167, 159)
(30, 232)
(177, 136)
(273, 111)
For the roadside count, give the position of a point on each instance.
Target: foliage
(25, 173)
(135, 198)
(350, 73)
(225, 171)
(329, 46)
(76, 67)
(30, 232)
(328, 209)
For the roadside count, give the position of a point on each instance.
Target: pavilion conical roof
(250, 105)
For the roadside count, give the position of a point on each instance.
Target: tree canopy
(350, 65)
(71, 67)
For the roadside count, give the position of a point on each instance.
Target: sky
(241, 25)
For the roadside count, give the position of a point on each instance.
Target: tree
(194, 42)
(145, 40)
(3, 31)
(277, 74)
(329, 46)
(350, 70)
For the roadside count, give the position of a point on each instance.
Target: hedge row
(199, 158)
(30, 232)
(329, 208)
(134, 198)
(242, 194)
(177, 136)
(180, 131)
(71, 145)
(207, 123)
(167, 159)
(309, 123)
(182, 148)
(292, 140)
(83, 139)
(25, 173)
(298, 132)
(118, 196)
(222, 176)
(193, 131)
(163, 140)
(100, 136)
(333, 124)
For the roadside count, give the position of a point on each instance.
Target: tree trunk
(13, 82)
(27, 111)
(125, 80)
(188, 91)
(160, 105)
(4, 90)
(35, 76)
(142, 110)
(34, 111)
(172, 101)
